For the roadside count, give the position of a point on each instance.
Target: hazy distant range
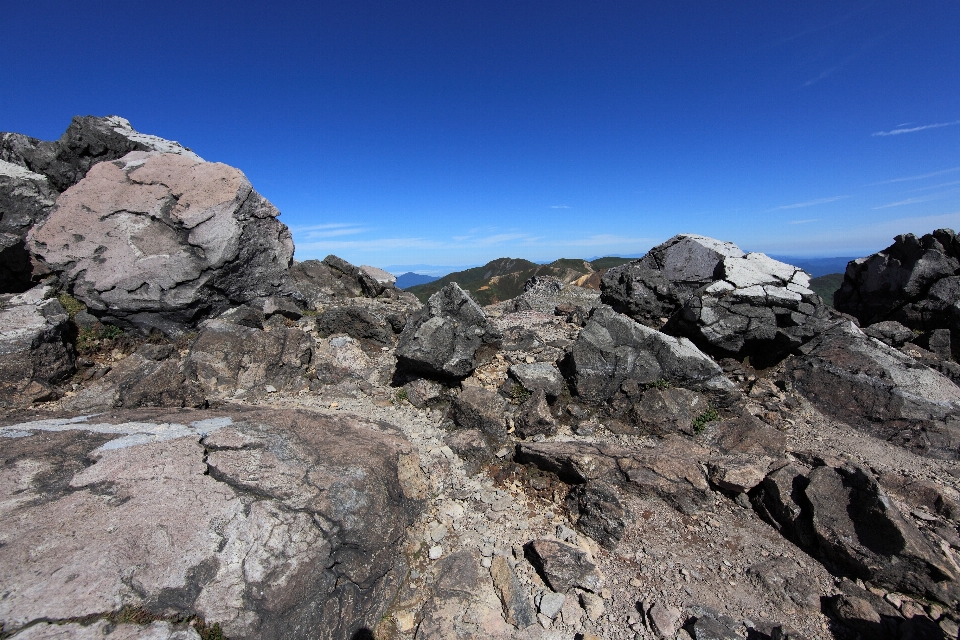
(424, 273)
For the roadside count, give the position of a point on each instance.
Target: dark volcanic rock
(666, 411)
(537, 376)
(874, 387)
(33, 346)
(534, 417)
(915, 281)
(597, 511)
(308, 546)
(613, 348)
(162, 240)
(450, 337)
(357, 322)
(471, 445)
(728, 302)
(890, 332)
(562, 566)
(25, 199)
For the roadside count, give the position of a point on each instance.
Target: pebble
(270, 388)
(486, 563)
(438, 533)
(435, 552)
(551, 603)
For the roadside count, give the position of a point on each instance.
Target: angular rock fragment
(534, 417)
(597, 511)
(563, 566)
(538, 376)
(471, 445)
(613, 348)
(422, 392)
(480, 409)
(33, 345)
(357, 322)
(668, 411)
(516, 604)
(449, 338)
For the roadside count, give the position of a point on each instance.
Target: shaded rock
(160, 240)
(664, 620)
(33, 349)
(890, 332)
(25, 199)
(935, 498)
(787, 583)
(538, 376)
(450, 337)
(88, 141)
(357, 322)
(534, 417)
(728, 302)
(149, 377)
(341, 357)
(471, 446)
(665, 411)
(308, 546)
(857, 527)
(712, 626)
(227, 356)
(572, 313)
(781, 501)
(878, 389)
(480, 409)
(859, 615)
(562, 566)
(613, 348)
(516, 604)
(596, 511)
(375, 281)
(422, 392)
(913, 281)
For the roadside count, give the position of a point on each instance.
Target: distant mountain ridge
(503, 278)
(411, 279)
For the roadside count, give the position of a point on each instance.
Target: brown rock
(534, 417)
(480, 409)
(517, 608)
(563, 566)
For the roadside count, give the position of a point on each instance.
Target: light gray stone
(538, 376)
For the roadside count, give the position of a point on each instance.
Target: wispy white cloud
(331, 230)
(922, 176)
(499, 238)
(804, 221)
(897, 132)
(918, 199)
(935, 186)
(809, 203)
(605, 239)
(559, 206)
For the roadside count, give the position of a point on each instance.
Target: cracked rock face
(272, 523)
(730, 303)
(25, 199)
(161, 240)
(450, 337)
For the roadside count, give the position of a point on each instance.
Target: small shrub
(700, 422)
(110, 332)
(71, 304)
(660, 383)
(89, 340)
(519, 394)
(401, 394)
(212, 632)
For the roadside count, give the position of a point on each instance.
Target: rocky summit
(202, 438)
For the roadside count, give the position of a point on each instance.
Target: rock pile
(304, 451)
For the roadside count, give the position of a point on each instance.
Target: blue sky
(452, 133)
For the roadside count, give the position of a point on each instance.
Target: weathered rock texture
(450, 337)
(34, 350)
(34, 172)
(875, 387)
(271, 523)
(728, 302)
(613, 348)
(914, 281)
(162, 240)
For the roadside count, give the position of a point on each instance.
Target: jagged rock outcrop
(162, 240)
(728, 302)
(879, 389)
(914, 281)
(613, 348)
(25, 199)
(333, 280)
(271, 523)
(34, 346)
(34, 172)
(450, 337)
(841, 515)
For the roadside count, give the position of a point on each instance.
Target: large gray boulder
(450, 337)
(613, 348)
(162, 240)
(878, 389)
(270, 523)
(333, 280)
(25, 199)
(728, 302)
(34, 350)
(914, 281)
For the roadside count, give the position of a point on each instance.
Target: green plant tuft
(660, 383)
(401, 394)
(519, 394)
(71, 304)
(700, 422)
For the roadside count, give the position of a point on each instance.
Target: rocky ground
(211, 446)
